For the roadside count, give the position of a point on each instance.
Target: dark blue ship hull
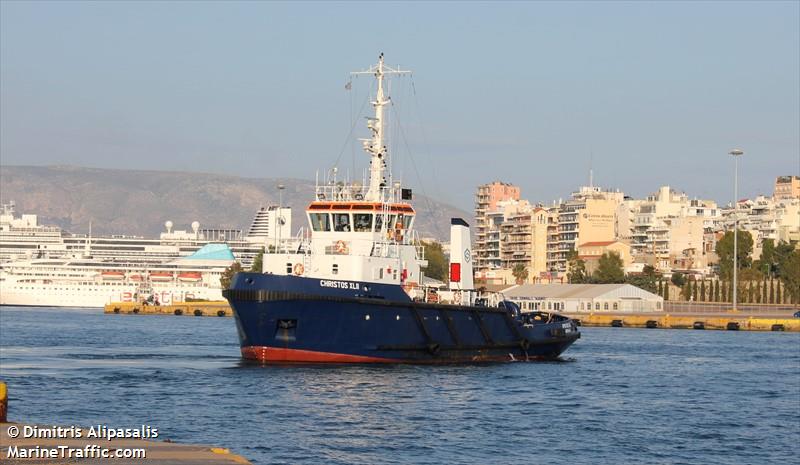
(295, 319)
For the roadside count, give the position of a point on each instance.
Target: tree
(789, 267)
(750, 295)
(768, 263)
(520, 272)
(660, 287)
(758, 292)
(686, 292)
(227, 275)
(694, 291)
(678, 278)
(772, 291)
(724, 251)
(703, 290)
(666, 292)
(783, 253)
(716, 290)
(258, 263)
(576, 267)
(764, 291)
(778, 296)
(609, 269)
(437, 263)
(645, 280)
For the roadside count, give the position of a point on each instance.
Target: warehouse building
(577, 298)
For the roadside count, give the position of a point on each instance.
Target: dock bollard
(3, 402)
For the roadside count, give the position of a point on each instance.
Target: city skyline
(531, 94)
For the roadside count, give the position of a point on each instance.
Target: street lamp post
(736, 153)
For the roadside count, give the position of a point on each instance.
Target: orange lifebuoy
(299, 269)
(341, 247)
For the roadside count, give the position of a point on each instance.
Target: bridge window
(378, 222)
(320, 222)
(407, 221)
(362, 222)
(341, 222)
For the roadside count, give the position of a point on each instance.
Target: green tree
(258, 263)
(716, 290)
(686, 291)
(703, 290)
(790, 276)
(576, 267)
(758, 292)
(778, 295)
(724, 251)
(645, 280)
(764, 291)
(694, 291)
(772, 291)
(520, 272)
(609, 269)
(678, 278)
(660, 287)
(437, 263)
(768, 262)
(227, 275)
(783, 253)
(666, 291)
(750, 293)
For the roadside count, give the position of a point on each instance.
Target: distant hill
(139, 202)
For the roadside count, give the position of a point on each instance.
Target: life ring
(341, 247)
(457, 297)
(299, 269)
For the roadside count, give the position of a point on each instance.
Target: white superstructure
(23, 238)
(92, 282)
(358, 232)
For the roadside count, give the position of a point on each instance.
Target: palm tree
(520, 272)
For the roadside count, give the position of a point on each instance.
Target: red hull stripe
(283, 355)
(277, 354)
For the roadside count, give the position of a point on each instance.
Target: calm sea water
(619, 395)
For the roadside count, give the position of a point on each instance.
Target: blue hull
(295, 319)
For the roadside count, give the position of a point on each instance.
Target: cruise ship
(46, 266)
(22, 237)
(91, 282)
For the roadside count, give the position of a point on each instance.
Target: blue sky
(653, 93)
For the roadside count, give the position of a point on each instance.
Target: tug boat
(352, 290)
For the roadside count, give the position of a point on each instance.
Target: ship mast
(376, 146)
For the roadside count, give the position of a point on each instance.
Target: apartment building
(487, 222)
(786, 188)
(589, 216)
(524, 241)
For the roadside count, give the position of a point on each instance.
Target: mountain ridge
(138, 202)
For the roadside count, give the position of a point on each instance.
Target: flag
(349, 85)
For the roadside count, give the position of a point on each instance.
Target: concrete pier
(720, 321)
(210, 308)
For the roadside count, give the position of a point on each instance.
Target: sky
(531, 93)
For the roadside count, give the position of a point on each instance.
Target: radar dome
(195, 226)
(168, 225)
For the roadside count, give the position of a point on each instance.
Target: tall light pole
(279, 218)
(736, 153)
